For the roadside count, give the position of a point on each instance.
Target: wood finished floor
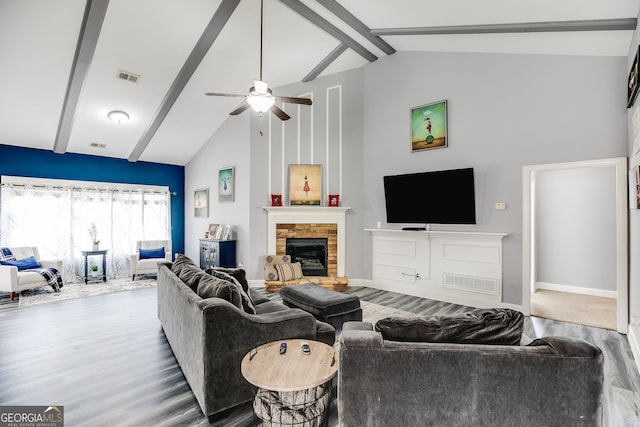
(106, 360)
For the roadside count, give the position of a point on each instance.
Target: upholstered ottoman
(326, 305)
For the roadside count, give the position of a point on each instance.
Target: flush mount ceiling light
(118, 117)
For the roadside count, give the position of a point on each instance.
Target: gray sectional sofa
(209, 335)
(552, 381)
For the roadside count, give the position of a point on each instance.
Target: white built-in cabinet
(459, 267)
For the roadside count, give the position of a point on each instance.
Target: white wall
(575, 211)
(229, 146)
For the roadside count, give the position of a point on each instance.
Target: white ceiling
(154, 38)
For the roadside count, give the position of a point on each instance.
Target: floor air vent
(481, 285)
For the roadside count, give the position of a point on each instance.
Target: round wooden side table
(291, 388)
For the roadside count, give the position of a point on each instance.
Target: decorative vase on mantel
(95, 247)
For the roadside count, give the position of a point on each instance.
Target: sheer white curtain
(56, 216)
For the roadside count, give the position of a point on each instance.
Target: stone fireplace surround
(309, 221)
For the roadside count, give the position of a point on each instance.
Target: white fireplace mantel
(308, 215)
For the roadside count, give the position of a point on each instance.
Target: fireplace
(317, 222)
(311, 253)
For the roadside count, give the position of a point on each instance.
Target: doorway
(618, 246)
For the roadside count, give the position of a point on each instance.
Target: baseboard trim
(577, 290)
(633, 335)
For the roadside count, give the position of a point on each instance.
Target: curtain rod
(105, 189)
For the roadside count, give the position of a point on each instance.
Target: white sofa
(149, 265)
(12, 280)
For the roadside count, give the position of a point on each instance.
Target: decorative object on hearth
(260, 98)
(305, 185)
(201, 203)
(632, 82)
(429, 126)
(226, 184)
(334, 200)
(276, 200)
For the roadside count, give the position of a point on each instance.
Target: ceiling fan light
(260, 103)
(118, 117)
(260, 87)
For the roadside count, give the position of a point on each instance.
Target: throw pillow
(23, 264)
(270, 272)
(247, 303)
(180, 262)
(289, 271)
(238, 273)
(498, 326)
(6, 255)
(152, 253)
(212, 287)
(191, 276)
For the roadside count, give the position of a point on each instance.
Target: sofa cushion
(289, 271)
(271, 307)
(23, 264)
(152, 253)
(237, 273)
(191, 276)
(212, 287)
(6, 255)
(247, 304)
(498, 326)
(180, 262)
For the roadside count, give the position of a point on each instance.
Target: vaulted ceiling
(61, 59)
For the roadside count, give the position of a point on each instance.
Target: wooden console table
(86, 254)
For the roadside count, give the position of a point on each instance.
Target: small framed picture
(226, 183)
(276, 200)
(305, 185)
(632, 81)
(429, 126)
(201, 203)
(334, 200)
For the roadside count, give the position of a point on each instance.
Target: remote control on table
(283, 348)
(305, 348)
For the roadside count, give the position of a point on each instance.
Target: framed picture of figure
(305, 185)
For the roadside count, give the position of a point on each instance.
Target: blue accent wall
(29, 162)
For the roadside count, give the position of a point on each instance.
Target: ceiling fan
(260, 97)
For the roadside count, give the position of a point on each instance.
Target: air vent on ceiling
(130, 77)
(96, 145)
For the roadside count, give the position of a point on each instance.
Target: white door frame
(528, 227)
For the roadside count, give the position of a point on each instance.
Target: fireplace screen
(311, 253)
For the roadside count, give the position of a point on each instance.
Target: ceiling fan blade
(279, 113)
(224, 94)
(240, 109)
(292, 100)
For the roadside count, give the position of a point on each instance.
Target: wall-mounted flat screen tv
(437, 197)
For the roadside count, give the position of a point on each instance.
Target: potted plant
(94, 268)
(93, 233)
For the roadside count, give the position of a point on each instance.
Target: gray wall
(229, 146)
(328, 133)
(575, 217)
(504, 111)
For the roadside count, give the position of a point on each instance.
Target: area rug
(45, 294)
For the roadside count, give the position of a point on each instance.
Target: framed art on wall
(276, 200)
(632, 81)
(305, 185)
(201, 203)
(226, 183)
(429, 126)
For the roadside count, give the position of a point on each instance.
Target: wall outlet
(501, 206)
